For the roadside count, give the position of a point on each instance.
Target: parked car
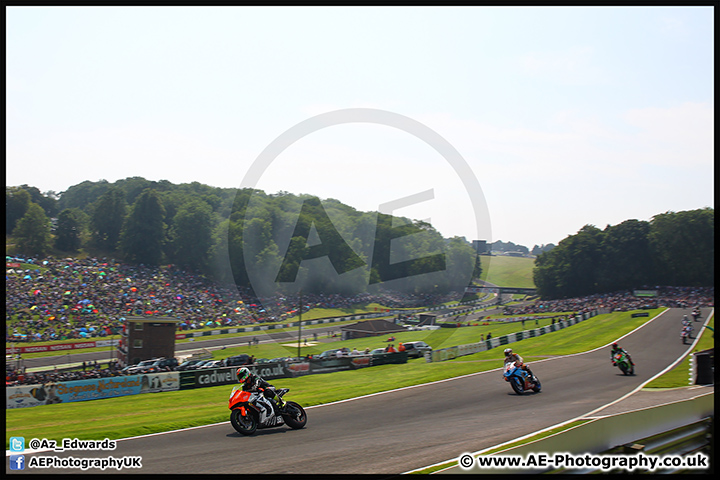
(212, 364)
(188, 364)
(378, 351)
(157, 365)
(416, 349)
(135, 369)
(199, 364)
(330, 354)
(164, 365)
(237, 360)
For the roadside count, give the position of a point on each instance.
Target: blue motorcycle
(519, 379)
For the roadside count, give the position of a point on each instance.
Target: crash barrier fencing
(60, 346)
(277, 326)
(449, 353)
(688, 439)
(603, 434)
(320, 321)
(97, 388)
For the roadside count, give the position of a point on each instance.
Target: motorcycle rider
(618, 349)
(511, 357)
(255, 383)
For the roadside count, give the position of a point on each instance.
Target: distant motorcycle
(685, 335)
(253, 410)
(620, 359)
(519, 379)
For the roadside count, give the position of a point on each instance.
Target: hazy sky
(565, 116)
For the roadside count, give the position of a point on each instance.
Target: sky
(515, 124)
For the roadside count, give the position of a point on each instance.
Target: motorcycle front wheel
(517, 385)
(294, 415)
(245, 424)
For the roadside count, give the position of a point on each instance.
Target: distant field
(508, 271)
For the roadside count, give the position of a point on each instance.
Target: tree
(32, 233)
(17, 201)
(571, 269)
(626, 257)
(67, 233)
(331, 244)
(47, 202)
(538, 249)
(191, 234)
(83, 194)
(683, 244)
(107, 219)
(143, 234)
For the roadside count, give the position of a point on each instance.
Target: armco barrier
(601, 434)
(319, 321)
(449, 353)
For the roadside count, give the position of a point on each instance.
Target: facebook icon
(17, 462)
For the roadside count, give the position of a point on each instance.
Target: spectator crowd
(673, 297)
(78, 298)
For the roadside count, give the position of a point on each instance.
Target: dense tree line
(500, 246)
(673, 248)
(538, 249)
(242, 236)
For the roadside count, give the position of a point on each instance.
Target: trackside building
(144, 338)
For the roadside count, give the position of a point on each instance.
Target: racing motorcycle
(620, 359)
(684, 335)
(252, 410)
(519, 379)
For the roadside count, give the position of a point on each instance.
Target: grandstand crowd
(78, 298)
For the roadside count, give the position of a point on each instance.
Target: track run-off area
(410, 428)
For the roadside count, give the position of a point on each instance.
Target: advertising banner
(226, 375)
(50, 348)
(214, 376)
(297, 369)
(388, 358)
(73, 391)
(444, 354)
(24, 396)
(159, 382)
(361, 361)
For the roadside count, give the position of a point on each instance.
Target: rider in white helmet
(511, 357)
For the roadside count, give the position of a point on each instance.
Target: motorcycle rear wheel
(246, 424)
(294, 415)
(537, 386)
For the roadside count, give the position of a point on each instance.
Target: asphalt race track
(403, 430)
